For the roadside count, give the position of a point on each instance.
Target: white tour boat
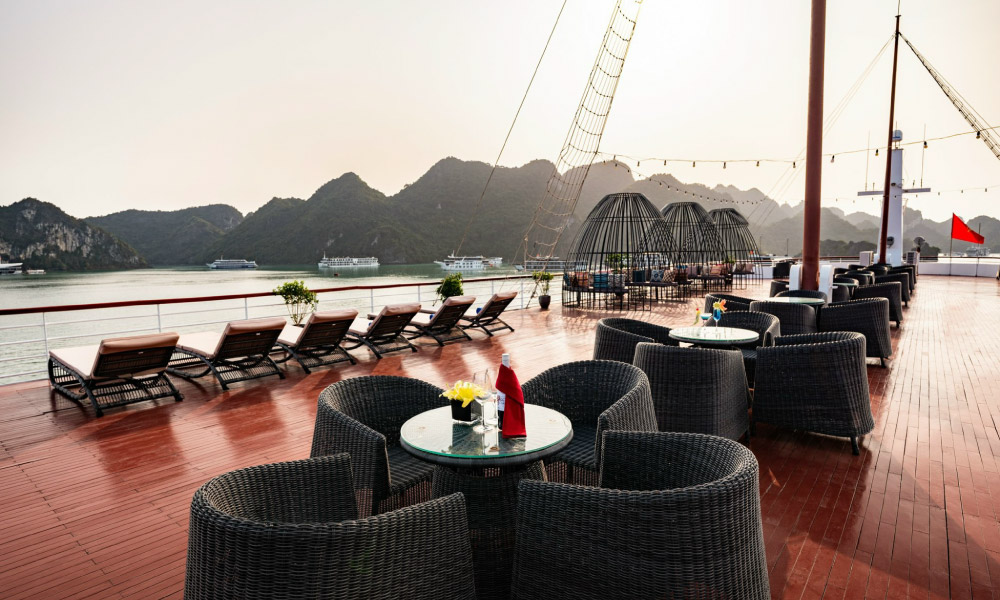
(232, 263)
(335, 262)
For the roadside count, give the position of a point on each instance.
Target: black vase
(460, 413)
(543, 302)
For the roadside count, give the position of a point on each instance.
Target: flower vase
(462, 414)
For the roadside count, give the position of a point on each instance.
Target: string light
(758, 163)
(833, 157)
(723, 164)
(692, 164)
(925, 143)
(977, 135)
(876, 151)
(793, 164)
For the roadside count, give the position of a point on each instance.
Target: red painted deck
(98, 508)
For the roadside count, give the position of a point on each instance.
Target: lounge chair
(119, 371)
(442, 323)
(488, 318)
(384, 332)
(318, 341)
(239, 353)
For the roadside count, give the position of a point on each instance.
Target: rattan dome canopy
(692, 233)
(734, 233)
(623, 232)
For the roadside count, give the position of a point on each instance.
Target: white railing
(27, 334)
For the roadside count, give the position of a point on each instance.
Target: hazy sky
(108, 105)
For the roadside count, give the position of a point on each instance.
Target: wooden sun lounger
(318, 341)
(239, 353)
(442, 323)
(488, 319)
(385, 332)
(119, 371)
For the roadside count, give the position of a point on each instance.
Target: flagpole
(951, 254)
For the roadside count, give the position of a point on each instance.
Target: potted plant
(299, 300)
(450, 286)
(542, 279)
(461, 396)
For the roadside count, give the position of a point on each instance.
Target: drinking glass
(704, 319)
(488, 401)
(716, 316)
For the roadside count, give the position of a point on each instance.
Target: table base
(491, 504)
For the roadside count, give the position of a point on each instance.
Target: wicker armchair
(910, 270)
(869, 317)
(362, 416)
(846, 279)
(777, 287)
(904, 284)
(596, 396)
(794, 318)
(767, 326)
(616, 338)
(815, 382)
(878, 269)
(732, 302)
(863, 277)
(677, 516)
(891, 291)
(840, 293)
(696, 390)
(804, 294)
(290, 530)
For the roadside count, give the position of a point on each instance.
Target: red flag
(961, 231)
(513, 414)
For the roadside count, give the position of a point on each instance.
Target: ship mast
(883, 233)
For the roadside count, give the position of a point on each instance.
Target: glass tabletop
(433, 436)
(846, 283)
(796, 300)
(713, 335)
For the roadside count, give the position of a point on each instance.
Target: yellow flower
(720, 306)
(464, 391)
(697, 316)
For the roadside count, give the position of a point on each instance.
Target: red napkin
(513, 414)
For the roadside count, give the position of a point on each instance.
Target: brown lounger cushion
(83, 359)
(207, 344)
(291, 334)
(390, 310)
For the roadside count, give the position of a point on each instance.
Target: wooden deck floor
(98, 508)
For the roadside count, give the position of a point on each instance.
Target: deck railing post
(418, 295)
(45, 335)
(521, 294)
(159, 323)
(371, 295)
(492, 288)
(246, 308)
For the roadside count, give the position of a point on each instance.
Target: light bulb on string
(876, 151)
(664, 163)
(925, 143)
(793, 164)
(723, 164)
(692, 164)
(758, 163)
(977, 135)
(833, 157)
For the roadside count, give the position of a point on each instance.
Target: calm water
(23, 350)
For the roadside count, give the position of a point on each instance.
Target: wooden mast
(882, 255)
(809, 277)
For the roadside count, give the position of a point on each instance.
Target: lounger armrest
(372, 316)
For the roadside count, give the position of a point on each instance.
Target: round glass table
(849, 284)
(432, 436)
(797, 300)
(710, 335)
(486, 468)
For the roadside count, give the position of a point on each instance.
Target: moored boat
(232, 263)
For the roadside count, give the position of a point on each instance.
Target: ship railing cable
(482, 196)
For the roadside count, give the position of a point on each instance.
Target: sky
(109, 105)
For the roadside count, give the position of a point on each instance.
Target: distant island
(421, 223)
